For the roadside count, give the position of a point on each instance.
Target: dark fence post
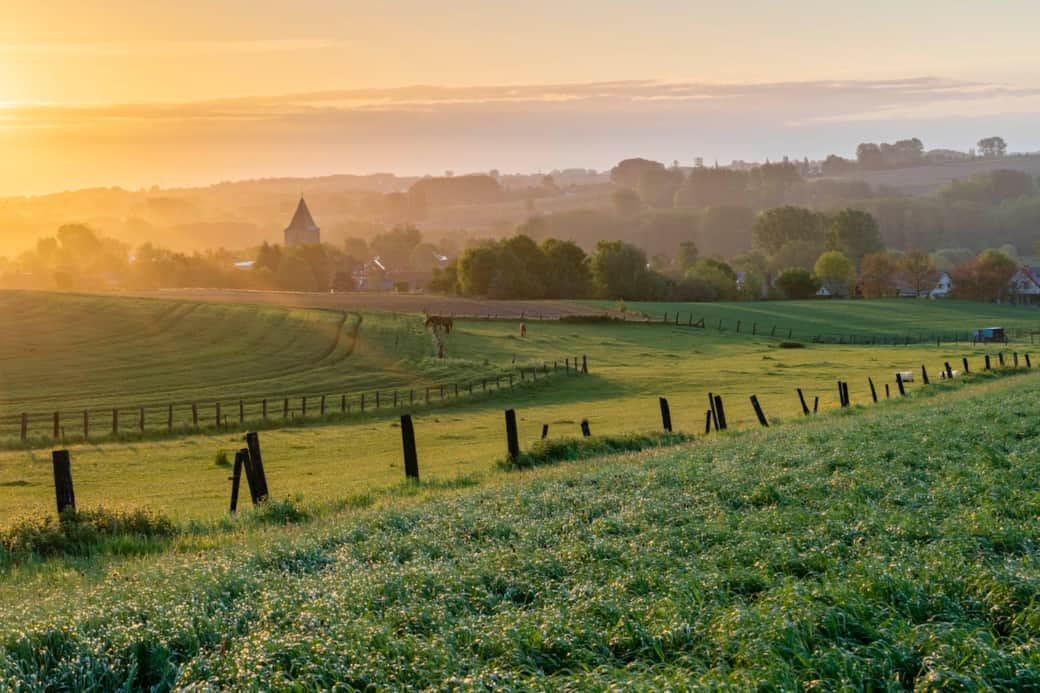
(899, 382)
(241, 458)
(815, 404)
(585, 428)
(321, 407)
(845, 393)
(666, 415)
(140, 423)
(512, 439)
(873, 391)
(1000, 358)
(987, 362)
(841, 394)
(887, 393)
(707, 421)
(411, 458)
(714, 411)
(86, 424)
(949, 371)
(1028, 364)
(545, 431)
(216, 409)
(721, 411)
(924, 375)
(285, 408)
(256, 464)
(584, 364)
(801, 398)
(965, 362)
(1014, 356)
(758, 411)
(57, 425)
(63, 491)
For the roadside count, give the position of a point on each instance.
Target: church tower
(302, 230)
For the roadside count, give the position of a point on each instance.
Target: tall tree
(854, 233)
(777, 226)
(876, 272)
(836, 272)
(629, 172)
(992, 146)
(619, 270)
(917, 270)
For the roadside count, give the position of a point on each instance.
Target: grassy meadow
(631, 365)
(889, 547)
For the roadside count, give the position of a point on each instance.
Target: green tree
(992, 146)
(775, 227)
(568, 269)
(836, 273)
(854, 233)
(476, 269)
(619, 271)
(657, 187)
(797, 283)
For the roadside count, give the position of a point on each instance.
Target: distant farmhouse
(302, 230)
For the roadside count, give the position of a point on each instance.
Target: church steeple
(302, 230)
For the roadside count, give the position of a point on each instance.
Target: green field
(888, 547)
(920, 320)
(631, 366)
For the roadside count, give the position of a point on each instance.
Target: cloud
(163, 48)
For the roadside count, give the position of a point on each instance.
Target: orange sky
(108, 92)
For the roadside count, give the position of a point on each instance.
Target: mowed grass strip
(895, 549)
(914, 318)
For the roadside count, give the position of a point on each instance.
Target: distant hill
(925, 180)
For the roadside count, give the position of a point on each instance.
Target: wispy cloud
(163, 48)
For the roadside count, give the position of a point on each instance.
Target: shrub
(281, 512)
(221, 459)
(79, 533)
(791, 345)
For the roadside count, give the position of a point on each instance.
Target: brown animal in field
(436, 321)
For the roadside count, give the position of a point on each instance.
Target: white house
(943, 286)
(1024, 286)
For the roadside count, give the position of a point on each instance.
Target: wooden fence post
(965, 362)
(899, 382)
(721, 411)
(512, 439)
(707, 421)
(1000, 358)
(140, 423)
(815, 405)
(801, 398)
(714, 411)
(322, 406)
(216, 409)
(845, 393)
(256, 464)
(241, 458)
(758, 411)
(1014, 355)
(887, 393)
(947, 370)
(285, 408)
(63, 491)
(585, 428)
(873, 391)
(584, 364)
(1028, 364)
(924, 375)
(57, 425)
(545, 431)
(841, 394)
(303, 407)
(343, 404)
(411, 458)
(86, 424)
(987, 362)
(666, 415)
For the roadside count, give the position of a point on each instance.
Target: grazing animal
(436, 321)
(906, 376)
(953, 374)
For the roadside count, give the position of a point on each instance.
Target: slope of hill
(925, 180)
(884, 548)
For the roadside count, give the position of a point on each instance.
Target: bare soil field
(366, 302)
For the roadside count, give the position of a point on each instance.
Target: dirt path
(392, 303)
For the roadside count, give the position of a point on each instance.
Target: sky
(98, 93)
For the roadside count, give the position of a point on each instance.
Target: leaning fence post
(256, 463)
(899, 382)
(666, 415)
(987, 362)
(1000, 358)
(1014, 355)
(721, 411)
(801, 398)
(707, 422)
(873, 392)
(815, 404)
(411, 458)
(585, 428)
(949, 371)
(845, 393)
(924, 375)
(63, 491)
(236, 477)
(887, 393)
(512, 439)
(545, 431)
(965, 361)
(1028, 364)
(584, 364)
(714, 411)
(758, 411)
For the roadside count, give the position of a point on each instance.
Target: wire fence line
(100, 423)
